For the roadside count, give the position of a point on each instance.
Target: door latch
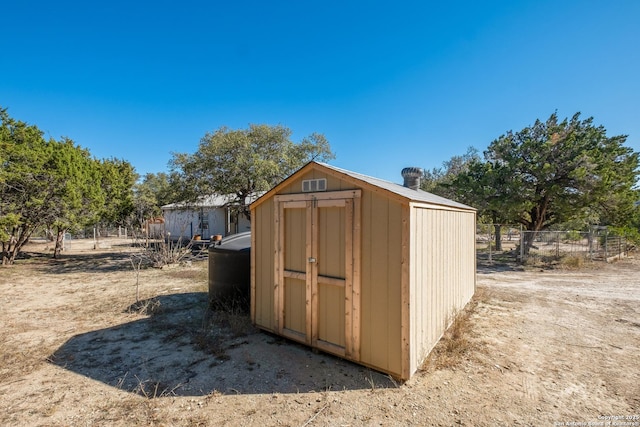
(312, 259)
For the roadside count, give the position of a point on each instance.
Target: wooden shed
(360, 267)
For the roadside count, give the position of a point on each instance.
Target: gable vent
(312, 185)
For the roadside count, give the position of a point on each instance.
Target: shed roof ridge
(350, 172)
(414, 195)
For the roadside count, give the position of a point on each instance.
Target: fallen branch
(315, 415)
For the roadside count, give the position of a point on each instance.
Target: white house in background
(209, 216)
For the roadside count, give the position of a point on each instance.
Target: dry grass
(155, 389)
(13, 362)
(564, 262)
(149, 307)
(238, 323)
(571, 262)
(207, 330)
(575, 262)
(159, 253)
(230, 313)
(73, 312)
(18, 358)
(196, 274)
(456, 345)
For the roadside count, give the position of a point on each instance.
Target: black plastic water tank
(229, 272)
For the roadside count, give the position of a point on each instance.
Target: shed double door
(315, 258)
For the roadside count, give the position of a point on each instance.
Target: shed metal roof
(401, 190)
(397, 189)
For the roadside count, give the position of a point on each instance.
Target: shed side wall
(263, 270)
(442, 274)
(381, 287)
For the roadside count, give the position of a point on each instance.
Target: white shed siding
(442, 274)
(185, 223)
(181, 223)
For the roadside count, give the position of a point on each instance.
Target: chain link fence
(504, 246)
(95, 233)
(105, 232)
(511, 242)
(546, 246)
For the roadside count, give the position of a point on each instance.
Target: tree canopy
(439, 180)
(154, 191)
(553, 172)
(244, 162)
(24, 183)
(117, 179)
(76, 196)
(55, 185)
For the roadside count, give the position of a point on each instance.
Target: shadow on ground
(183, 349)
(499, 262)
(87, 263)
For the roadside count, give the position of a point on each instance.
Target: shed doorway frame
(349, 203)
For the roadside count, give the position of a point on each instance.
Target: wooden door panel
(329, 282)
(294, 322)
(331, 314)
(331, 242)
(295, 307)
(295, 221)
(315, 297)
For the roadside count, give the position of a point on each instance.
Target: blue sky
(390, 84)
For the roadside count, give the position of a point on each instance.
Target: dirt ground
(540, 347)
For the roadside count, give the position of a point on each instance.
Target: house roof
(391, 187)
(210, 201)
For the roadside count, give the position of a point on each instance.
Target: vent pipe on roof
(412, 177)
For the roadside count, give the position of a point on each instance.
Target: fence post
(557, 244)
(619, 247)
(521, 244)
(606, 241)
(490, 260)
